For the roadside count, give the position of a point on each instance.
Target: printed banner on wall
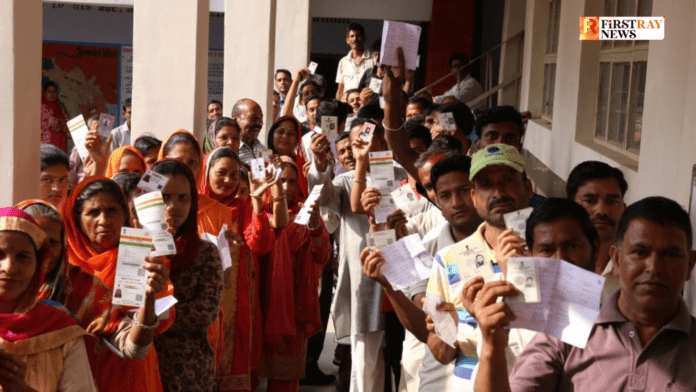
(87, 77)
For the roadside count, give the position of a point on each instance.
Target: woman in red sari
(292, 299)
(285, 138)
(94, 214)
(125, 159)
(242, 325)
(54, 120)
(41, 346)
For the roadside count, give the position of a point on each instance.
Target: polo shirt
(349, 73)
(614, 358)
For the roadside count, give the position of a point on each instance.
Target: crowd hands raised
(259, 314)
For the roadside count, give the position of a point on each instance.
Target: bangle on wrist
(279, 198)
(143, 326)
(393, 129)
(259, 197)
(313, 228)
(360, 181)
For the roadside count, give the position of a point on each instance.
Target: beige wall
(20, 42)
(170, 67)
(669, 120)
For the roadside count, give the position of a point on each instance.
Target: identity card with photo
(517, 221)
(375, 85)
(258, 169)
(381, 239)
(78, 133)
(304, 215)
(329, 126)
(405, 199)
(470, 262)
(366, 132)
(150, 210)
(312, 67)
(152, 181)
(130, 283)
(106, 124)
(522, 273)
(447, 121)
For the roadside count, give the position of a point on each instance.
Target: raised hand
(158, 274)
(509, 245)
(12, 373)
(397, 220)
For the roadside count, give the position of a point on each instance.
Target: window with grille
(622, 69)
(552, 29)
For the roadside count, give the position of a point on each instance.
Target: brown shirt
(614, 359)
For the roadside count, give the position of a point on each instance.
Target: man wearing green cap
(500, 186)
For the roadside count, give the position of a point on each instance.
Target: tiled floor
(325, 364)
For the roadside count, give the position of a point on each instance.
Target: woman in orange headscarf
(125, 159)
(291, 302)
(241, 353)
(94, 214)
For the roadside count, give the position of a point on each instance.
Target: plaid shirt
(247, 153)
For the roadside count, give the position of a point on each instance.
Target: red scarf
(39, 320)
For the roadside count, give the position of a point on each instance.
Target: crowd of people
(265, 314)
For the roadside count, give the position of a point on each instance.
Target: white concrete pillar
(21, 33)
(293, 34)
(511, 52)
(250, 28)
(537, 11)
(170, 67)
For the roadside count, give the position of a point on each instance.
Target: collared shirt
(121, 136)
(350, 73)
(247, 153)
(614, 358)
(465, 91)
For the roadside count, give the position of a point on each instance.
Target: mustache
(256, 128)
(502, 200)
(603, 218)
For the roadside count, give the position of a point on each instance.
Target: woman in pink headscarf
(54, 119)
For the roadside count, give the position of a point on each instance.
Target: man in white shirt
(467, 88)
(121, 136)
(356, 62)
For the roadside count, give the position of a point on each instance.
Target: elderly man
(644, 338)
(249, 116)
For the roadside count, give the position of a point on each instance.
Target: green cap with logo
(496, 154)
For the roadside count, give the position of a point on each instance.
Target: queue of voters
(406, 222)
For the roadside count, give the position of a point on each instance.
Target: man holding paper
(499, 186)
(644, 338)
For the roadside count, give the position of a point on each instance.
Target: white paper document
(265, 154)
(382, 102)
(303, 216)
(523, 274)
(130, 283)
(569, 301)
(150, 210)
(223, 246)
(152, 181)
(381, 239)
(517, 221)
(406, 262)
(471, 262)
(445, 327)
(106, 123)
(78, 133)
(382, 178)
(399, 34)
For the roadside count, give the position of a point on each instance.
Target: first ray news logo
(622, 28)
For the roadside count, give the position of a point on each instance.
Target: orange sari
(242, 324)
(111, 372)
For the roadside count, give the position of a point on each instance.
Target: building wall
(668, 141)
